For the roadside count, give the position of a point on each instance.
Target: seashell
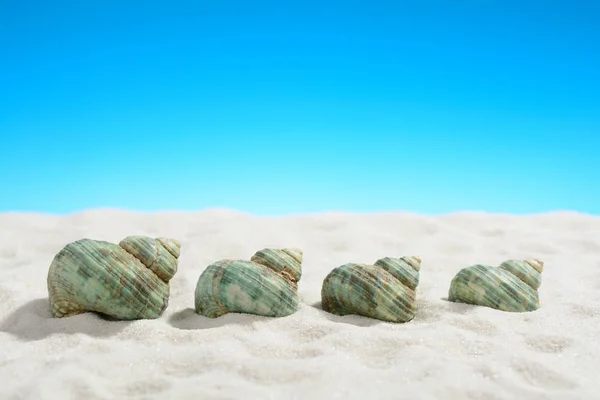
(125, 281)
(266, 285)
(385, 290)
(512, 286)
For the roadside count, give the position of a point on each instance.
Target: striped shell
(384, 291)
(266, 285)
(510, 287)
(125, 281)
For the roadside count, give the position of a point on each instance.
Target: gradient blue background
(291, 107)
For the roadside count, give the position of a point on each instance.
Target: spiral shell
(125, 281)
(384, 291)
(266, 285)
(512, 286)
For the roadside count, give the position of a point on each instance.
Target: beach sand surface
(449, 351)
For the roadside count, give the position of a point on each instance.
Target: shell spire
(385, 290)
(266, 285)
(512, 286)
(536, 264)
(156, 254)
(125, 281)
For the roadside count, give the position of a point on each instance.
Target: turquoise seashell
(384, 291)
(266, 285)
(125, 281)
(512, 286)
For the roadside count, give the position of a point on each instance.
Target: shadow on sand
(188, 319)
(427, 312)
(351, 319)
(458, 308)
(33, 321)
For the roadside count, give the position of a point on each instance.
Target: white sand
(449, 351)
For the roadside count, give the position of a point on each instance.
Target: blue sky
(292, 107)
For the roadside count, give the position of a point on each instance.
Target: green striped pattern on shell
(265, 286)
(510, 287)
(126, 281)
(153, 255)
(384, 291)
(286, 262)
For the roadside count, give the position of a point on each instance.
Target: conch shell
(266, 285)
(384, 291)
(125, 281)
(512, 286)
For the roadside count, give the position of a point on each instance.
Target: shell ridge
(103, 277)
(264, 279)
(215, 300)
(373, 291)
(536, 264)
(279, 260)
(153, 254)
(524, 271)
(247, 286)
(166, 244)
(156, 246)
(296, 254)
(56, 288)
(130, 288)
(401, 269)
(504, 287)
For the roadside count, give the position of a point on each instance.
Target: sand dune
(449, 351)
